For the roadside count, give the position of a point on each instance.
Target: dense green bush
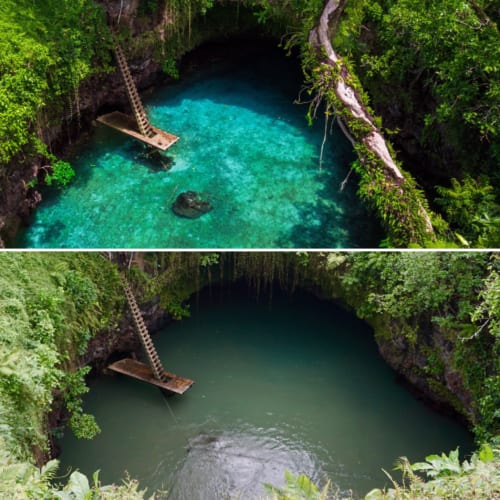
(50, 307)
(448, 478)
(432, 67)
(456, 294)
(22, 480)
(46, 50)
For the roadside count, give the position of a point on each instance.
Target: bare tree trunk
(120, 13)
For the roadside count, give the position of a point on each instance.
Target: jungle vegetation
(427, 72)
(52, 305)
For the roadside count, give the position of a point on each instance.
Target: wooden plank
(126, 124)
(143, 372)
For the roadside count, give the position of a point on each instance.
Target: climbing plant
(441, 77)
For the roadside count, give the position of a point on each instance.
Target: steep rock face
(427, 365)
(428, 368)
(124, 341)
(17, 198)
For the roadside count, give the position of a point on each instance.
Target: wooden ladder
(142, 330)
(133, 95)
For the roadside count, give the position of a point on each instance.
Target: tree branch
(371, 137)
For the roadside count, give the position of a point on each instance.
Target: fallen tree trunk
(401, 206)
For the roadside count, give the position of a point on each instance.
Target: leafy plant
(50, 307)
(46, 50)
(62, 174)
(464, 201)
(449, 478)
(298, 487)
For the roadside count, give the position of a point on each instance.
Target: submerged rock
(154, 159)
(202, 441)
(190, 204)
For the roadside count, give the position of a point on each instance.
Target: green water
(243, 143)
(296, 386)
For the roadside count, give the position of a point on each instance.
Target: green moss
(435, 365)
(400, 205)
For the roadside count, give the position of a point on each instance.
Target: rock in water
(189, 204)
(154, 159)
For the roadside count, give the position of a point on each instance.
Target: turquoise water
(297, 385)
(243, 143)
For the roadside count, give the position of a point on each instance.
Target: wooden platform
(126, 124)
(140, 371)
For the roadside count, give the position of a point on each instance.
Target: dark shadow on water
(345, 224)
(257, 67)
(153, 159)
(320, 223)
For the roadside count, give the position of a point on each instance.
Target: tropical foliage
(431, 68)
(50, 307)
(22, 480)
(297, 488)
(47, 49)
(440, 476)
(455, 296)
(478, 477)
